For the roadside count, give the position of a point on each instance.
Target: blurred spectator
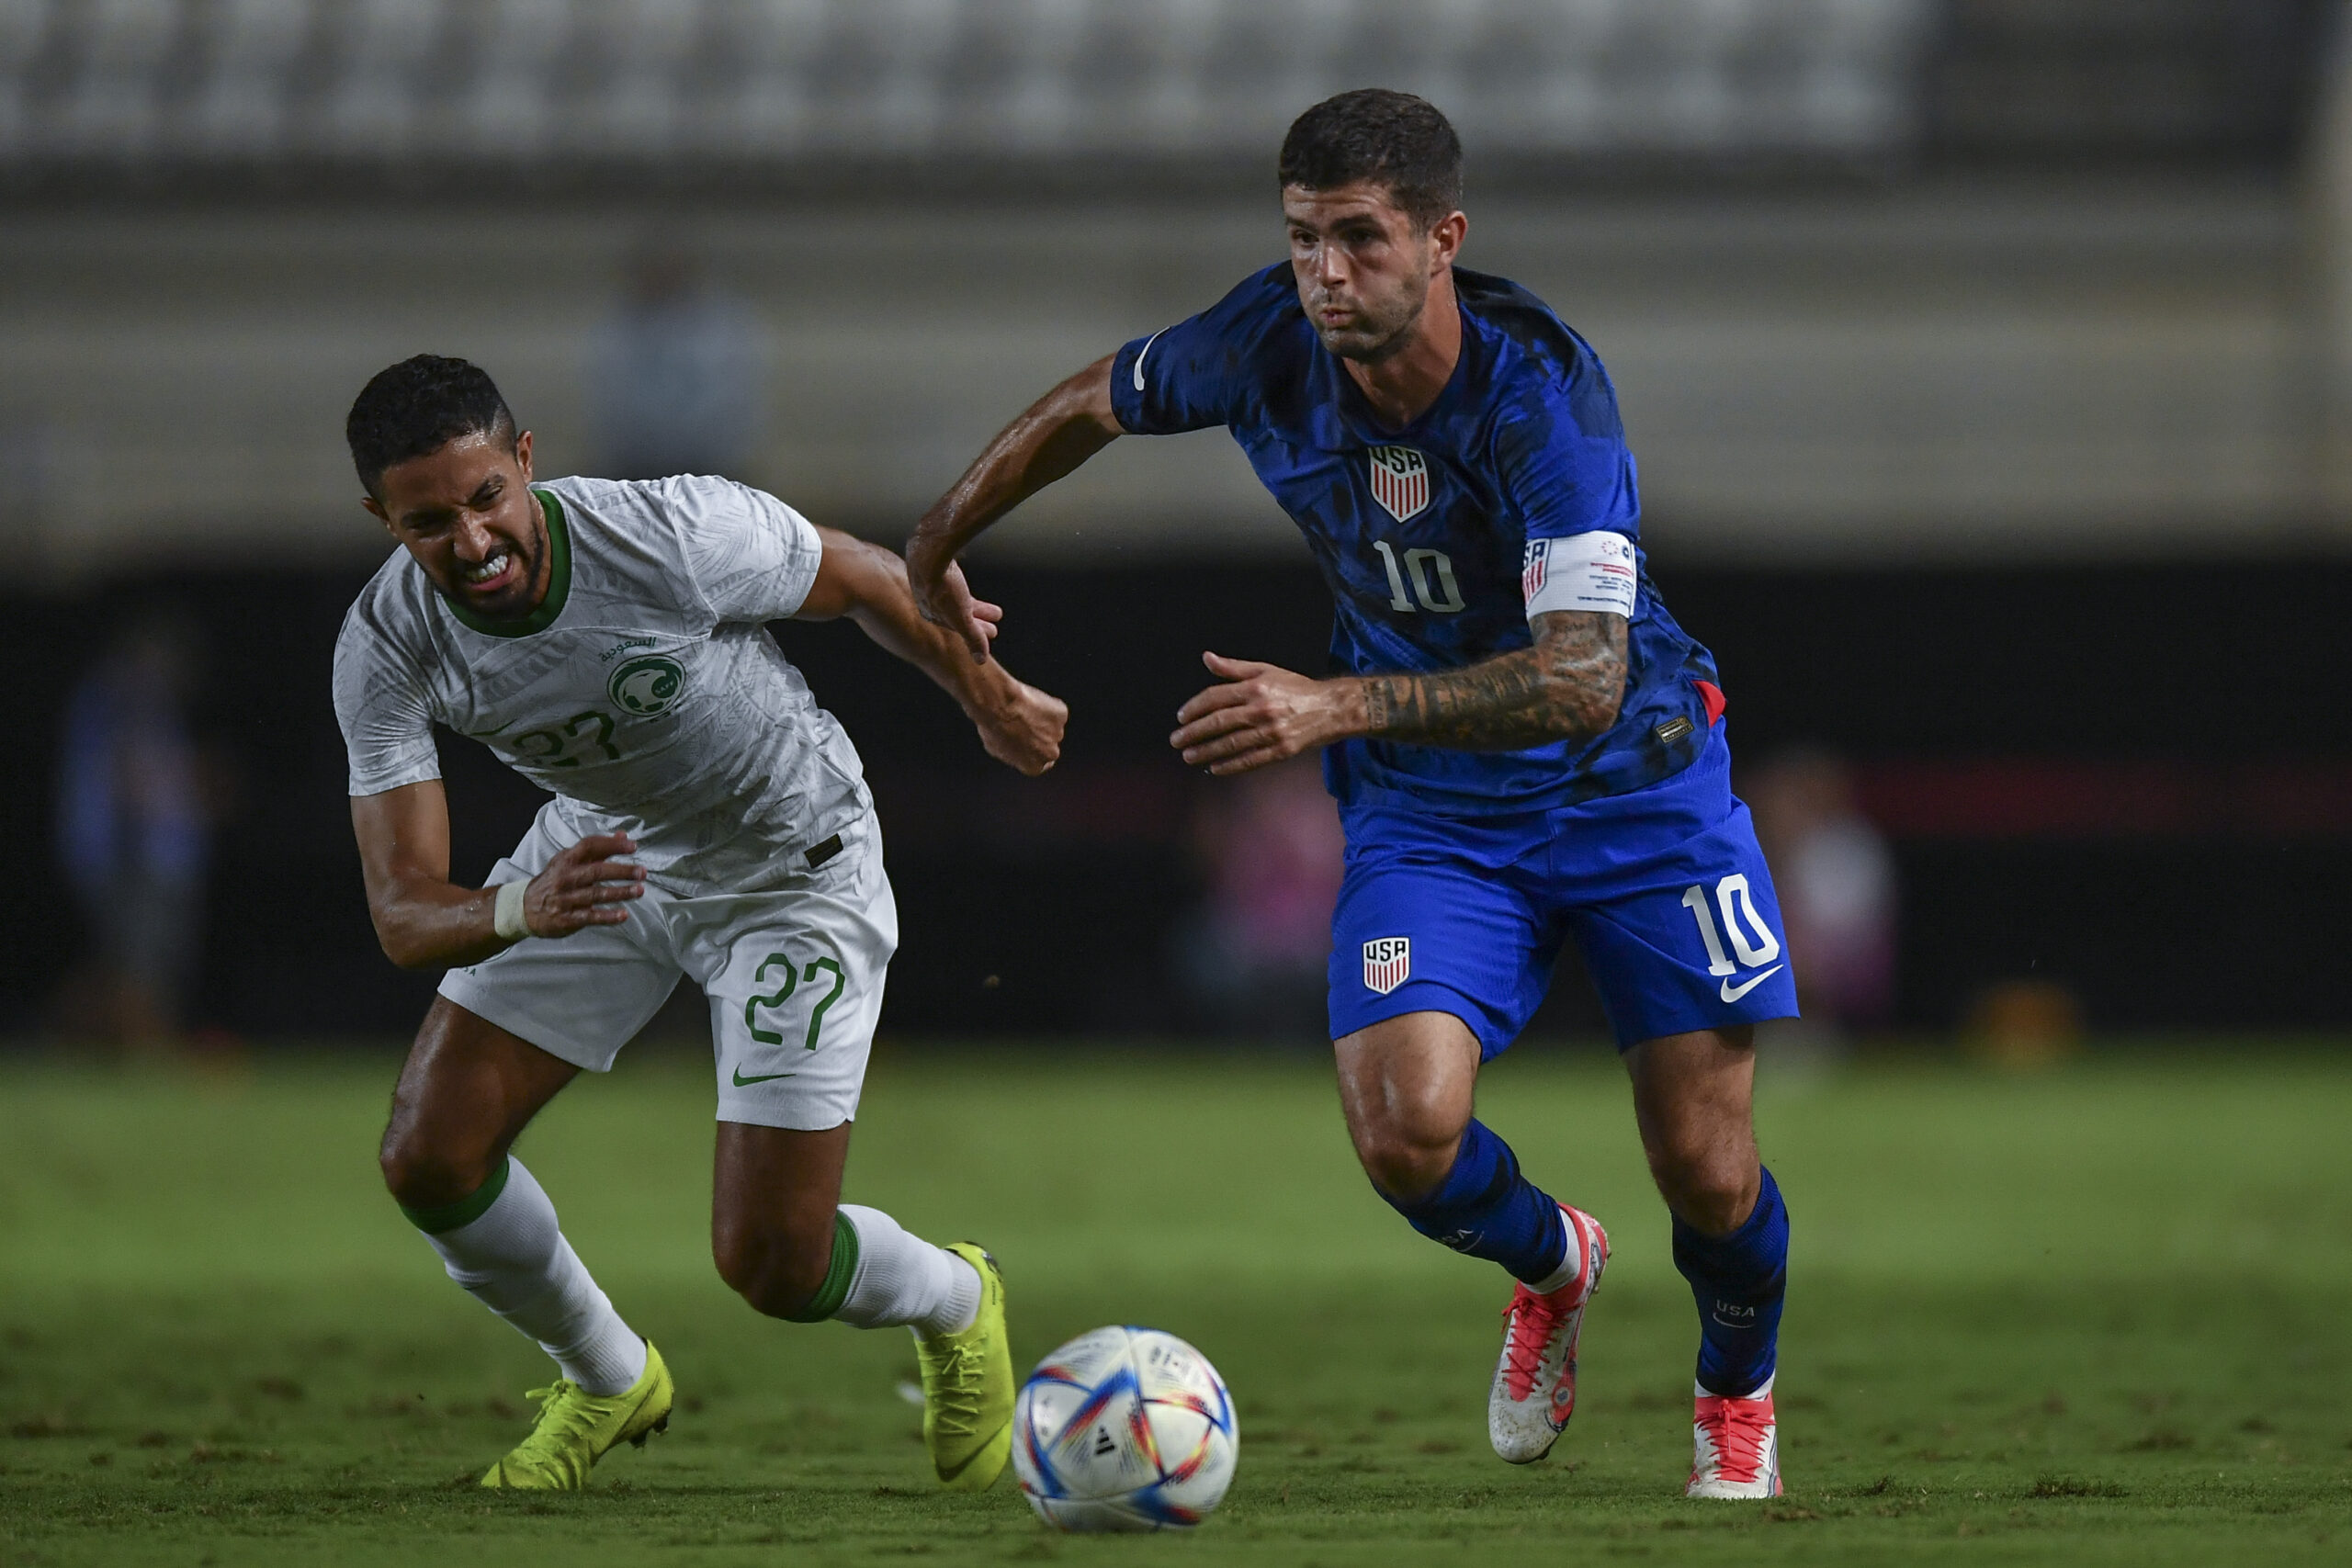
(677, 375)
(2025, 1025)
(1838, 895)
(1253, 957)
(131, 833)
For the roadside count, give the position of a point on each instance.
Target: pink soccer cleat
(1534, 1391)
(1738, 1446)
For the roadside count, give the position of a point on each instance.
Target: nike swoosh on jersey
(1140, 353)
(742, 1082)
(1732, 993)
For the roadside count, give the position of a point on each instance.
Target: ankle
(1575, 1262)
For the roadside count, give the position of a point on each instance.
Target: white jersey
(644, 693)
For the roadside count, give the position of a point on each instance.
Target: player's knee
(1406, 1118)
(1706, 1184)
(777, 1278)
(422, 1174)
(1405, 1159)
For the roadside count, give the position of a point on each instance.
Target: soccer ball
(1125, 1429)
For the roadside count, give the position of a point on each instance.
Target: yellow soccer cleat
(967, 1388)
(575, 1430)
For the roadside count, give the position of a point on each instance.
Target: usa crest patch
(1387, 962)
(1531, 576)
(1400, 480)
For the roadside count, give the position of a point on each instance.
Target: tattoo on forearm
(1567, 686)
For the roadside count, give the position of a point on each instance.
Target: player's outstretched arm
(1057, 434)
(1021, 726)
(426, 921)
(1568, 686)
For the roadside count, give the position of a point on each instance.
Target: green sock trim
(838, 1274)
(465, 1211)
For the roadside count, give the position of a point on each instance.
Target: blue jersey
(1424, 533)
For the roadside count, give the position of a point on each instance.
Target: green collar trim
(558, 583)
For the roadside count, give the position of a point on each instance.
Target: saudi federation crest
(647, 684)
(1387, 962)
(1400, 480)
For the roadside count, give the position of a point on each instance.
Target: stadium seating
(174, 83)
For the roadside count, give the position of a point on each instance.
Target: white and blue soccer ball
(1125, 1429)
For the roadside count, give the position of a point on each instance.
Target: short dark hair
(1390, 138)
(418, 407)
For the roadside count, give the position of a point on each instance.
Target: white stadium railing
(174, 83)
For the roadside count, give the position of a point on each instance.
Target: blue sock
(1737, 1280)
(1485, 1208)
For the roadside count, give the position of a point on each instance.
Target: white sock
(903, 1279)
(1571, 1267)
(514, 1261)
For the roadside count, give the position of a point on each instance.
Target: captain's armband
(1584, 571)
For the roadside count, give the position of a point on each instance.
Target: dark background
(2102, 831)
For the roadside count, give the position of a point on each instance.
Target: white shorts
(794, 976)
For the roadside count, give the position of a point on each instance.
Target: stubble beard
(525, 591)
(1371, 340)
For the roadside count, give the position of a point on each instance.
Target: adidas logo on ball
(1125, 1429)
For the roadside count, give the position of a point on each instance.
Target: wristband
(506, 915)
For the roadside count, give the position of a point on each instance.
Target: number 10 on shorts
(1750, 937)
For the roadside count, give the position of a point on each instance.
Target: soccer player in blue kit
(1524, 746)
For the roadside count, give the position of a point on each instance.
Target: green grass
(2094, 1316)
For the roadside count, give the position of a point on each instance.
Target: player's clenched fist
(1022, 726)
(585, 886)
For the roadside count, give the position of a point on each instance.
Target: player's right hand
(1022, 726)
(586, 884)
(944, 599)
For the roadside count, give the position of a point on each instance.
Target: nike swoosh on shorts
(1732, 993)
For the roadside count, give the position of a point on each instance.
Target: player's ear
(375, 509)
(523, 454)
(1446, 236)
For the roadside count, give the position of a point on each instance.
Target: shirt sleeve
(1561, 482)
(750, 556)
(382, 705)
(1197, 372)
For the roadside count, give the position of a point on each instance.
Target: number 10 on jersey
(1421, 565)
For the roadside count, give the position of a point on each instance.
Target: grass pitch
(2093, 1316)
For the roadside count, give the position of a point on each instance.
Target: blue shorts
(1664, 888)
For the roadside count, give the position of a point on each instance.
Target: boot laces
(1530, 1321)
(564, 1420)
(1736, 1427)
(563, 1409)
(958, 1375)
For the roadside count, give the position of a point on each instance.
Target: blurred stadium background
(1989, 362)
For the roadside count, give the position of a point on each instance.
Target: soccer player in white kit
(606, 642)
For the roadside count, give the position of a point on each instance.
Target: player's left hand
(1263, 714)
